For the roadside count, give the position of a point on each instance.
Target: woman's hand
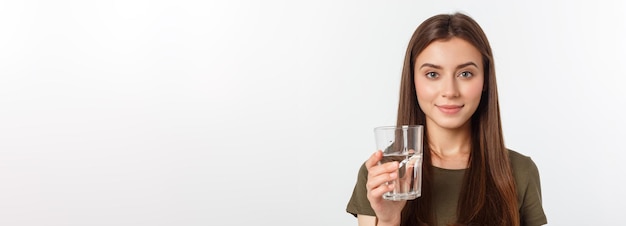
(388, 212)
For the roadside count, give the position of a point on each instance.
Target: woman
(469, 177)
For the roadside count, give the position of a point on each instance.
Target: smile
(449, 109)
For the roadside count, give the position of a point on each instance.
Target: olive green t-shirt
(447, 184)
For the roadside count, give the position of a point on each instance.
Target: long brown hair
(488, 196)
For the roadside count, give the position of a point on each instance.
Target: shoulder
(524, 169)
(520, 162)
(528, 187)
(362, 174)
(359, 204)
(363, 170)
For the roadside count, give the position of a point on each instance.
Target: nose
(449, 87)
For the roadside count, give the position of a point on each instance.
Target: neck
(450, 149)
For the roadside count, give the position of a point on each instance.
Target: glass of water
(402, 144)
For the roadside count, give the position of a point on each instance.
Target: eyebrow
(457, 67)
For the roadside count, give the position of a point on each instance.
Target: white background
(260, 112)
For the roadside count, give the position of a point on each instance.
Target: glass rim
(398, 127)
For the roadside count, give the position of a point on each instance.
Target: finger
(378, 192)
(388, 167)
(374, 181)
(374, 159)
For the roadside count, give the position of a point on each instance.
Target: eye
(431, 75)
(466, 74)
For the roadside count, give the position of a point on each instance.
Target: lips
(449, 109)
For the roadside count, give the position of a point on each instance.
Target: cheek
(425, 94)
(474, 90)
(422, 89)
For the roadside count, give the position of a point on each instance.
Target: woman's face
(449, 79)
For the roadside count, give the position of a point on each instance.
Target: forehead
(449, 53)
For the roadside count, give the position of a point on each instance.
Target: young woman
(469, 177)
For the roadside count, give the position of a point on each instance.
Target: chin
(451, 124)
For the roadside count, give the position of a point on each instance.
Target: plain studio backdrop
(261, 112)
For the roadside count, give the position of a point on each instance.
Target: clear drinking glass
(403, 144)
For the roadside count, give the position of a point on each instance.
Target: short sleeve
(359, 204)
(528, 190)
